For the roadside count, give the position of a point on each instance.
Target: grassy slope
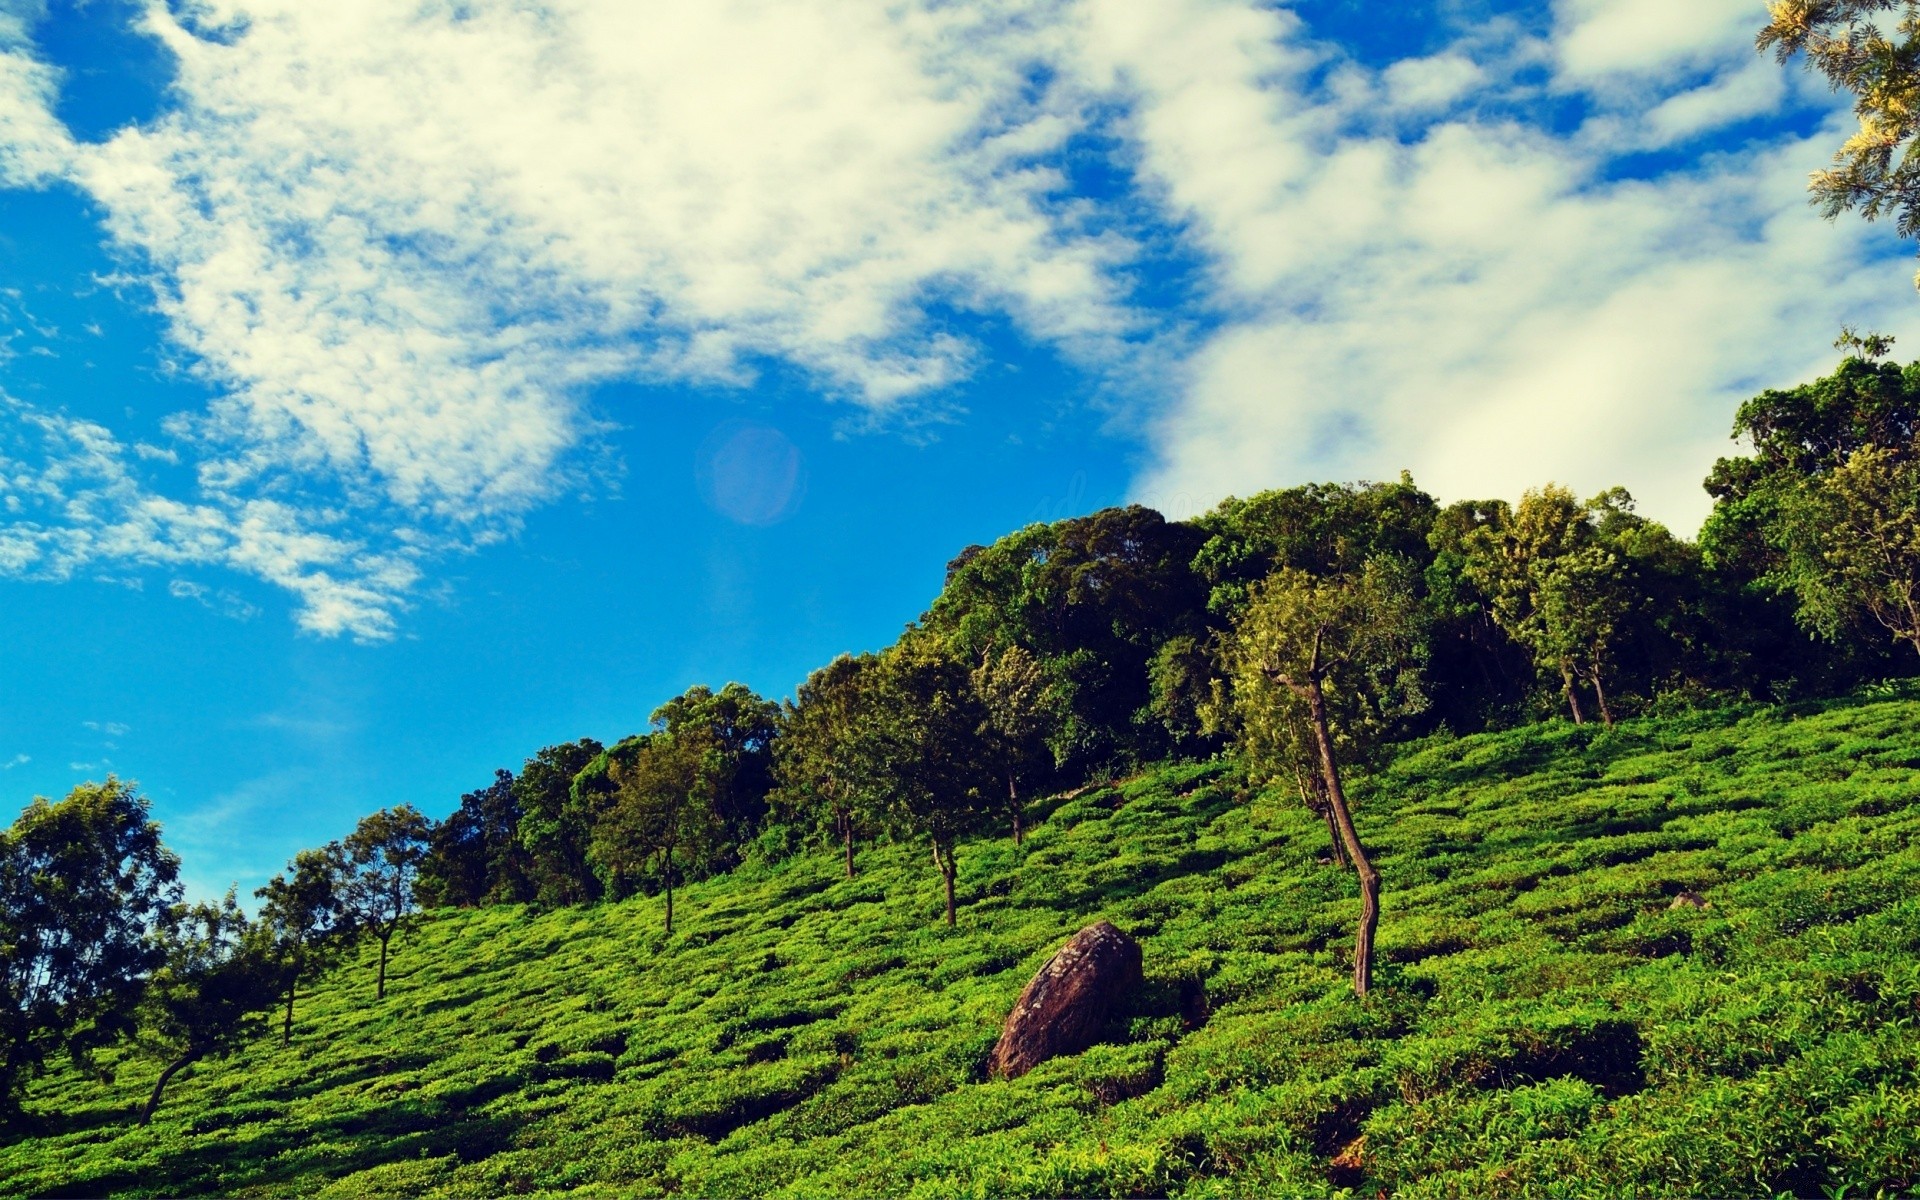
(1544, 1022)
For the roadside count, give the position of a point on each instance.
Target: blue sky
(387, 390)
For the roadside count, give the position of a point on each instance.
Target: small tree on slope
(383, 855)
(1339, 657)
(221, 976)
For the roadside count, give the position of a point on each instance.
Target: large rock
(1069, 1004)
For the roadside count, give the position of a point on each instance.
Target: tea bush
(1545, 1021)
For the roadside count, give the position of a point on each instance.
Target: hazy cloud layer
(401, 241)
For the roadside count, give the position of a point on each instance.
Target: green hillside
(1544, 1022)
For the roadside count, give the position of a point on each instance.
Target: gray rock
(1070, 1002)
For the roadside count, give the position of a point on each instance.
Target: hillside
(1544, 1019)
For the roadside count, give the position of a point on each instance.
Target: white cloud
(34, 146)
(18, 760)
(74, 498)
(1598, 38)
(1479, 302)
(401, 241)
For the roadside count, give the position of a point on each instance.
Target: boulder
(1071, 1002)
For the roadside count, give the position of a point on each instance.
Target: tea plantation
(1546, 1020)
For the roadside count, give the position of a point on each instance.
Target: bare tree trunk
(1600, 693)
(1013, 802)
(1333, 836)
(380, 991)
(160, 1084)
(1573, 698)
(948, 869)
(1362, 866)
(286, 1029)
(846, 835)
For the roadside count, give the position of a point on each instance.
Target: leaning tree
(1322, 666)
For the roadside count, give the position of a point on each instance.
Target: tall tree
(1557, 587)
(1338, 658)
(553, 829)
(383, 855)
(219, 977)
(663, 811)
(475, 856)
(739, 727)
(1093, 598)
(1876, 171)
(821, 758)
(301, 911)
(1824, 509)
(82, 884)
(926, 731)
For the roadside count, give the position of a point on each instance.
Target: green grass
(1544, 1022)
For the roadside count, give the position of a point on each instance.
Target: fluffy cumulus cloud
(401, 241)
(1481, 298)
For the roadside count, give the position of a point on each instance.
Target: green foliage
(219, 975)
(1876, 170)
(828, 782)
(82, 882)
(926, 722)
(1361, 639)
(1827, 508)
(1545, 1022)
(303, 914)
(554, 830)
(1092, 598)
(664, 804)
(382, 857)
(740, 727)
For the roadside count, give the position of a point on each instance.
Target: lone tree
(210, 996)
(1340, 659)
(82, 884)
(822, 756)
(663, 807)
(383, 856)
(301, 912)
(1876, 170)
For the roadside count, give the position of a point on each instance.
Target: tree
(1337, 659)
(1824, 509)
(739, 727)
(1092, 599)
(925, 730)
(1854, 545)
(1556, 587)
(302, 912)
(1876, 170)
(1321, 528)
(1014, 693)
(383, 855)
(821, 758)
(475, 856)
(663, 807)
(553, 829)
(219, 977)
(82, 884)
